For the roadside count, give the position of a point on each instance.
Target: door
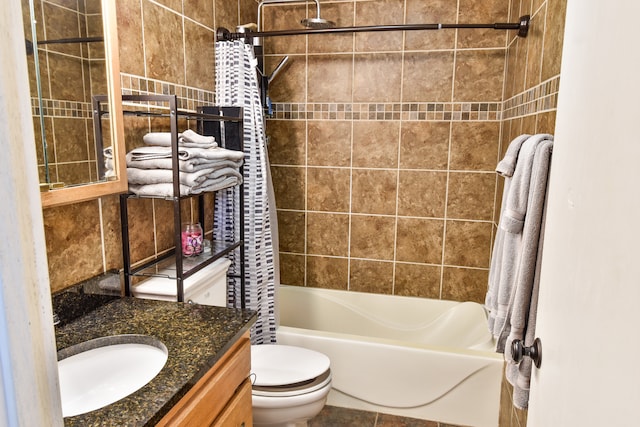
(589, 308)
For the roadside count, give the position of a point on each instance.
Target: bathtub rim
(313, 289)
(487, 354)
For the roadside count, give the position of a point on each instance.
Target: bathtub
(413, 357)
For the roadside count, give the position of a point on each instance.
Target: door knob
(519, 351)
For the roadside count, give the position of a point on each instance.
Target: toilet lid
(274, 364)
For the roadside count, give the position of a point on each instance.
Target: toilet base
(287, 417)
(292, 424)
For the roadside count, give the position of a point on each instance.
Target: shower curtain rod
(522, 26)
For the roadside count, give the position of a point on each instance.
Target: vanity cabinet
(223, 123)
(222, 397)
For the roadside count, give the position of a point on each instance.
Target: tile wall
(66, 106)
(380, 187)
(165, 46)
(383, 147)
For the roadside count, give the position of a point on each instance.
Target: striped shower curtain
(237, 86)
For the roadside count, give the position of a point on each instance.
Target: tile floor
(332, 416)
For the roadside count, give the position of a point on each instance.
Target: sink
(99, 372)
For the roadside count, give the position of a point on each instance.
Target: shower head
(317, 23)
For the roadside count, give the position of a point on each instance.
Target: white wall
(28, 373)
(590, 284)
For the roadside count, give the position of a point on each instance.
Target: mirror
(72, 55)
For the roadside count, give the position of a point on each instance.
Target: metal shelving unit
(225, 124)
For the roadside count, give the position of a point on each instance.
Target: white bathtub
(414, 357)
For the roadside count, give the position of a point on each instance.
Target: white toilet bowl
(290, 384)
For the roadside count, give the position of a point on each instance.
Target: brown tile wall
(392, 181)
(383, 147)
(166, 46)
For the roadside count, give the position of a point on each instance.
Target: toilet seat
(281, 370)
(276, 365)
(293, 389)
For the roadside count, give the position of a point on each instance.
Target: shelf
(181, 113)
(166, 111)
(225, 124)
(172, 198)
(165, 266)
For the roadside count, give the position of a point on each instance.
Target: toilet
(290, 384)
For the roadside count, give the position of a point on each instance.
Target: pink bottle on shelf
(192, 237)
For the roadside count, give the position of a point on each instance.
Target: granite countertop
(196, 336)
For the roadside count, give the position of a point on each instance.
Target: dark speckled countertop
(195, 335)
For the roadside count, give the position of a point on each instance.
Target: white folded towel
(188, 138)
(109, 170)
(216, 183)
(192, 179)
(184, 153)
(158, 190)
(158, 176)
(108, 162)
(189, 165)
(166, 189)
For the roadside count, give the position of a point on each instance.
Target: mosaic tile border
(60, 108)
(457, 111)
(543, 97)
(189, 98)
(540, 98)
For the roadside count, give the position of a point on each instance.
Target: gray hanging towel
(513, 279)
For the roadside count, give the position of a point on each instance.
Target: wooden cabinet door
(238, 412)
(208, 398)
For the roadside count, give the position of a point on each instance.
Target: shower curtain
(237, 86)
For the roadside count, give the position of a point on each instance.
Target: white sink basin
(96, 373)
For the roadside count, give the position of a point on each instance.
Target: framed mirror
(72, 55)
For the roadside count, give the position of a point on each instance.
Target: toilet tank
(207, 287)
